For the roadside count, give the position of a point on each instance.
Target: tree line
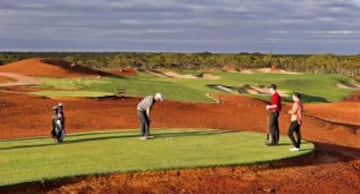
(320, 63)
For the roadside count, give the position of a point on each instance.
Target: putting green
(40, 159)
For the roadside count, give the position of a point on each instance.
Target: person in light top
(143, 111)
(296, 121)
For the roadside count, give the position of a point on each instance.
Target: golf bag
(57, 132)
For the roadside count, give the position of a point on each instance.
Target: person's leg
(147, 126)
(291, 130)
(141, 116)
(277, 130)
(53, 132)
(298, 134)
(272, 126)
(59, 130)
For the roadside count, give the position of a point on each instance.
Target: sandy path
(21, 80)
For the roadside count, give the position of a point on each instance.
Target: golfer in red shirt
(274, 107)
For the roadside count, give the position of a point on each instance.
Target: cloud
(181, 25)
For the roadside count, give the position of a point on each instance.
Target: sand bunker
(267, 70)
(276, 71)
(349, 86)
(261, 90)
(247, 71)
(18, 80)
(172, 74)
(127, 71)
(154, 72)
(246, 89)
(224, 88)
(229, 69)
(50, 68)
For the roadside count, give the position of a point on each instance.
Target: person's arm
(294, 109)
(271, 106)
(148, 112)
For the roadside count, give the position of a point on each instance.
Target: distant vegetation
(322, 63)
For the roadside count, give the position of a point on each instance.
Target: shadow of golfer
(111, 135)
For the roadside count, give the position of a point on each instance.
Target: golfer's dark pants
(144, 123)
(295, 127)
(274, 126)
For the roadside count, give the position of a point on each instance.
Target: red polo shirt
(275, 99)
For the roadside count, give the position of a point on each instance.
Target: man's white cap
(159, 96)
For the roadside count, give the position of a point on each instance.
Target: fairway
(40, 159)
(314, 88)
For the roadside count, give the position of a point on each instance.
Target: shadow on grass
(112, 135)
(306, 98)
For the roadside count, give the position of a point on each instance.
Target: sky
(219, 26)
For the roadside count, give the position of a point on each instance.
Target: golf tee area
(115, 151)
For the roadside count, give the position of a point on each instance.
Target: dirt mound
(50, 68)
(127, 71)
(5, 79)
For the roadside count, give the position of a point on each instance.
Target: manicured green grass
(315, 88)
(73, 94)
(40, 159)
(136, 86)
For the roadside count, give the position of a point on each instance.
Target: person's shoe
(150, 136)
(143, 138)
(294, 149)
(274, 143)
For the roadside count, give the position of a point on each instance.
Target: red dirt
(4, 79)
(50, 68)
(344, 112)
(354, 97)
(334, 169)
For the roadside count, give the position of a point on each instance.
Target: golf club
(267, 141)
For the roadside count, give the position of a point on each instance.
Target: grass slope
(315, 88)
(40, 159)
